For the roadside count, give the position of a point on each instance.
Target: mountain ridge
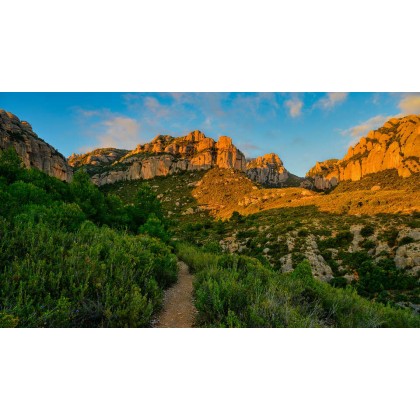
(395, 145)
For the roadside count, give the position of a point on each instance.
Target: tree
(11, 165)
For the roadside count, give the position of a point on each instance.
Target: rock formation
(267, 170)
(164, 155)
(34, 151)
(97, 157)
(396, 145)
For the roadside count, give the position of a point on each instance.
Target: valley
(338, 248)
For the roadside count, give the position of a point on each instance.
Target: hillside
(33, 151)
(223, 210)
(395, 145)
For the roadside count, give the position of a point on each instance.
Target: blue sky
(301, 128)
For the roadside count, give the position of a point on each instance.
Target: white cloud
(294, 105)
(364, 127)
(410, 104)
(121, 132)
(331, 100)
(113, 131)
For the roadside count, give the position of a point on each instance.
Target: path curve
(178, 307)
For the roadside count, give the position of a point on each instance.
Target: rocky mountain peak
(267, 170)
(195, 136)
(395, 145)
(166, 155)
(34, 151)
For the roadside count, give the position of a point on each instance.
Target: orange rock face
(267, 170)
(34, 151)
(166, 155)
(396, 145)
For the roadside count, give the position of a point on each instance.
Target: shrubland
(74, 257)
(239, 291)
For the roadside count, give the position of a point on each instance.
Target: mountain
(164, 155)
(167, 155)
(34, 151)
(395, 145)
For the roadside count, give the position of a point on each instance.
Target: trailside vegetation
(71, 256)
(239, 291)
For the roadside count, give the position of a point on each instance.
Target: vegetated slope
(33, 151)
(237, 291)
(223, 198)
(335, 244)
(395, 145)
(70, 256)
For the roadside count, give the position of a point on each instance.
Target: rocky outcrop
(267, 170)
(166, 155)
(396, 145)
(97, 157)
(34, 151)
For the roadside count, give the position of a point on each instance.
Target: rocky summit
(167, 155)
(34, 151)
(164, 155)
(396, 145)
(267, 170)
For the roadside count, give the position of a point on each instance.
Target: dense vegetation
(72, 256)
(238, 291)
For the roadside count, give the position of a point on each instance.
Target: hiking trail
(178, 307)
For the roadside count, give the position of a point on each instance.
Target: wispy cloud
(110, 130)
(364, 127)
(330, 100)
(410, 104)
(294, 106)
(121, 132)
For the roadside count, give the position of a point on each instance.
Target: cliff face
(166, 155)
(396, 145)
(34, 151)
(267, 170)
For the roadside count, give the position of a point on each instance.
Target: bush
(154, 227)
(367, 231)
(405, 241)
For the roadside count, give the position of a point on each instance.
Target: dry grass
(225, 191)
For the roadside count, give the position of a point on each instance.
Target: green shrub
(406, 240)
(367, 231)
(154, 227)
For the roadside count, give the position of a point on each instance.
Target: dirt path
(178, 308)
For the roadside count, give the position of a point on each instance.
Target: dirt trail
(178, 308)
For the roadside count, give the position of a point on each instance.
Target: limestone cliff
(166, 155)
(267, 170)
(396, 145)
(34, 151)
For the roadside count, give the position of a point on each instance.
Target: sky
(302, 128)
